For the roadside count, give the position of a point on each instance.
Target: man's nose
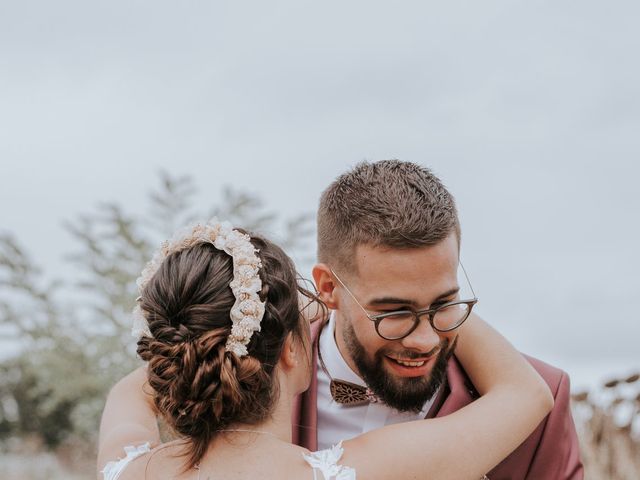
(423, 339)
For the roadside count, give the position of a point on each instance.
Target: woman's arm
(470, 442)
(128, 418)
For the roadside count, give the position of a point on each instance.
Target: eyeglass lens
(398, 324)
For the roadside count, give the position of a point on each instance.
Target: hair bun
(199, 385)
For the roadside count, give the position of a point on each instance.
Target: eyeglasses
(401, 323)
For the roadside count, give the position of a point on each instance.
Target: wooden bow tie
(347, 393)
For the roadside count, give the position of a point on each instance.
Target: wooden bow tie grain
(347, 393)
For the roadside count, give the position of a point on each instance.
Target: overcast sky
(528, 111)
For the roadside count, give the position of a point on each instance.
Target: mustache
(443, 346)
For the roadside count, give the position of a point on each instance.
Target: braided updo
(198, 386)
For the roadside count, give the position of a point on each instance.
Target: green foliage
(74, 338)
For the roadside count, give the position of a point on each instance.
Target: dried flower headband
(247, 312)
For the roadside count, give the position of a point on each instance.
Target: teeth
(410, 364)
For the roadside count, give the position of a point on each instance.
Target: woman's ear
(295, 364)
(324, 280)
(289, 356)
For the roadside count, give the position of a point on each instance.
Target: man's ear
(325, 283)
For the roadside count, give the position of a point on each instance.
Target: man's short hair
(388, 203)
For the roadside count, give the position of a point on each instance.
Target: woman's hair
(199, 387)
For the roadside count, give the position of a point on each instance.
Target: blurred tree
(71, 348)
(608, 423)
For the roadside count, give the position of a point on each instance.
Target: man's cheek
(453, 342)
(369, 342)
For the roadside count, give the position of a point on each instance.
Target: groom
(388, 245)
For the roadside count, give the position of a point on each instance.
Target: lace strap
(113, 470)
(326, 461)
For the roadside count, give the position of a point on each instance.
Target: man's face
(404, 373)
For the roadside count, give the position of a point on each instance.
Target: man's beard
(405, 394)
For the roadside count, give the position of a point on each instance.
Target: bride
(227, 351)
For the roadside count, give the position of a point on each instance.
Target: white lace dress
(326, 463)
(323, 463)
(112, 470)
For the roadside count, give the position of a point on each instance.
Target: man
(388, 252)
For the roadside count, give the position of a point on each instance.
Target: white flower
(241, 331)
(245, 290)
(236, 347)
(246, 271)
(249, 307)
(140, 327)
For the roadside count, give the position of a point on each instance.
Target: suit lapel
(456, 392)
(305, 407)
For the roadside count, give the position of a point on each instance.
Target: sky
(528, 111)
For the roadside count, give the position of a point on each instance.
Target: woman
(227, 351)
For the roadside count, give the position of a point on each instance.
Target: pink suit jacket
(551, 452)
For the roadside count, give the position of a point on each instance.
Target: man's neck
(338, 338)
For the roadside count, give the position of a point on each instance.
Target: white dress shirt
(338, 422)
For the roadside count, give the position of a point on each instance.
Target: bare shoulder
(167, 463)
(162, 462)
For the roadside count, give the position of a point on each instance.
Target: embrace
(383, 373)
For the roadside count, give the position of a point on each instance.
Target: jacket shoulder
(552, 450)
(554, 376)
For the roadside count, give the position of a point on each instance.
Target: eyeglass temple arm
(351, 294)
(468, 281)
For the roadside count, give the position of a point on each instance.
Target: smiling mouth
(410, 363)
